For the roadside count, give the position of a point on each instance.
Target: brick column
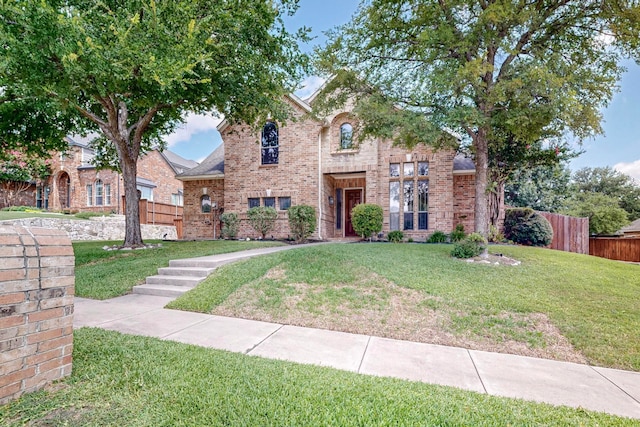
(36, 309)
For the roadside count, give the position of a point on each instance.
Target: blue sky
(619, 147)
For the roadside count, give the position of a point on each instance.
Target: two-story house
(319, 163)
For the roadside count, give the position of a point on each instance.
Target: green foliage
(262, 219)
(524, 226)
(87, 215)
(605, 215)
(131, 71)
(21, 209)
(495, 235)
(366, 219)
(437, 237)
(543, 188)
(395, 236)
(230, 225)
(612, 183)
(469, 247)
(458, 233)
(302, 221)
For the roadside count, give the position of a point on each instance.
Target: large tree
(131, 69)
(612, 183)
(543, 188)
(489, 70)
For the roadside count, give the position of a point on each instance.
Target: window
(89, 195)
(99, 193)
(346, 136)
(145, 192)
(394, 169)
(423, 204)
(270, 202)
(394, 205)
(423, 168)
(205, 204)
(338, 208)
(408, 169)
(408, 205)
(270, 144)
(107, 194)
(177, 199)
(87, 156)
(254, 202)
(284, 202)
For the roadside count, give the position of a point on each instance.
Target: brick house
(318, 163)
(76, 185)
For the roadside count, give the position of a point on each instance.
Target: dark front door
(352, 198)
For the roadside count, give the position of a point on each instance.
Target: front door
(352, 198)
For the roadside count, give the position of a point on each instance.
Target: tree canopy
(610, 182)
(131, 69)
(499, 73)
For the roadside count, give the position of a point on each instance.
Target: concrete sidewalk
(558, 383)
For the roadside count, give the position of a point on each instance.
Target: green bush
(458, 234)
(302, 221)
(437, 237)
(470, 246)
(495, 235)
(526, 227)
(21, 209)
(230, 225)
(366, 219)
(395, 236)
(262, 219)
(87, 215)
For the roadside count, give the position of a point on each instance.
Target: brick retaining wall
(36, 309)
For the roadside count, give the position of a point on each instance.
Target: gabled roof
(178, 163)
(299, 102)
(463, 164)
(211, 167)
(634, 227)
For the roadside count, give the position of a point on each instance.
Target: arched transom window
(346, 136)
(270, 144)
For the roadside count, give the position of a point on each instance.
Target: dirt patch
(376, 306)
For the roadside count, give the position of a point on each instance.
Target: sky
(618, 147)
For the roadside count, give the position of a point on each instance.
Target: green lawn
(121, 380)
(593, 302)
(104, 274)
(11, 215)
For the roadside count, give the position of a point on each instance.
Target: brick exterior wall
(198, 224)
(71, 175)
(464, 199)
(36, 309)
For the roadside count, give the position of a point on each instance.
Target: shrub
(526, 227)
(87, 215)
(302, 221)
(21, 209)
(230, 225)
(458, 234)
(366, 219)
(395, 236)
(470, 246)
(437, 237)
(262, 219)
(495, 235)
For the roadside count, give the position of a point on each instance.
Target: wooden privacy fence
(618, 248)
(570, 234)
(157, 213)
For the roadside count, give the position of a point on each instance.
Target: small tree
(230, 225)
(604, 213)
(367, 219)
(524, 226)
(262, 219)
(302, 221)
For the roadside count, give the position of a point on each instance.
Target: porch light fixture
(330, 200)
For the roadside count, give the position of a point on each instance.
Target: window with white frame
(89, 195)
(99, 192)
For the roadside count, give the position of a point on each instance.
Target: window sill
(275, 165)
(345, 151)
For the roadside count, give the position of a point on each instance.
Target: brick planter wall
(36, 309)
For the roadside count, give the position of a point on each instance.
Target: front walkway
(559, 383)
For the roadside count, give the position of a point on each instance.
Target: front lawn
(121, 380)
(102, 274)
(555, 304)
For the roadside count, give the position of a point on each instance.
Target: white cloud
(309, 86)
(632, 169)
(194, 123)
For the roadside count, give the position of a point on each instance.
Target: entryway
(352, 198)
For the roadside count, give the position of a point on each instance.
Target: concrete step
(161, 290)
(194, 263)
(174, 280)
(185, 271)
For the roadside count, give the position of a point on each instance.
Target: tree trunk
(133, 235)
(481, 219)
(496, 198)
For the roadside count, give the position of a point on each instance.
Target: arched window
(346, 136)
(270, 144)
(205, 204)
(99, 193)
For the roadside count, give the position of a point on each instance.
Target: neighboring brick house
(76, 185)
(318, 163)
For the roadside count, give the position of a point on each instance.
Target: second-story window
(270, 144)
(346, 136)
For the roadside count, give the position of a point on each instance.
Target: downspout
(320, 184)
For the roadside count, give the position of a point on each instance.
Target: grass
(104, 274)
(592, 302)
(11, 215)
(135, 381)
